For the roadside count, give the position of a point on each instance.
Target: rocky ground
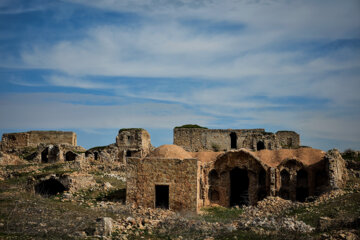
(98, 212)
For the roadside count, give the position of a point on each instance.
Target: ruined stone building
(43, 146)
(244, 167)
(202, 139)
(204, 167)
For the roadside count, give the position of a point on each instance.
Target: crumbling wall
(12, 141)
(199, 139)
(288, 139)
(336, 169)
(179, 175)
(133, 142)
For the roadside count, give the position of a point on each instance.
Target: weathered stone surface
(34, 138)
(199, 139)
(104, 227)
(180, 176)
(336, 168)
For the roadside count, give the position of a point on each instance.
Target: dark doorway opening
(302, 189)
(44, 156)
(96, 155)
(239, 187)
(70, 156)
(128, 153)
(285, 184)
(233, 139)
(162, 196)
(260, 145)
(262, 185)
(49, 187)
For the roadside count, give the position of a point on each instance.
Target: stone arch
(260, 145)
(302, 185)
(50, 154)
(70, 156)
(49, 187)
(285, 184)
(249, 166)
(233, 139)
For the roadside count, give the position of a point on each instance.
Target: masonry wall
(179, 175)
(198, 139)
(133, 142)
(288, 139)
(34, 138)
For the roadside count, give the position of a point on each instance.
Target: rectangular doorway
(162, 196)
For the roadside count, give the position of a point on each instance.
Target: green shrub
(191, 126)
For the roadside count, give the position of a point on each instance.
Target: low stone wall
(179, 175)
(12, 141)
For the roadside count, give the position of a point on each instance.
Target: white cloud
(52, 111)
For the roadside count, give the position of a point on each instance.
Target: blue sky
(94, 67)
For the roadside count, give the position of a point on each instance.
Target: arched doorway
(260, 145)
(233, 139)
(285, 184)
(239, 187)
(302, 189)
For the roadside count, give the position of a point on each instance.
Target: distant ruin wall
(199, 139)
(34, 138)
(288, 139)
(179, 175)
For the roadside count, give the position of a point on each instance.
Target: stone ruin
(204, 167)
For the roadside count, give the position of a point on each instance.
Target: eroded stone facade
(200, 139)
(11, 141)
(146, 177)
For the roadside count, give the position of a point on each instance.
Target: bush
(191, 126)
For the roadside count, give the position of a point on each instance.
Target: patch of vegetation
(130, 129)
(117, 195)
(191, 126)
(221, 214)
(350, 154)
(343, 207)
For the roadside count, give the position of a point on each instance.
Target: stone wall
(288, 139)
(133, 142)
(337, 169)
(199, 139)
(179, 175)
(34, 138)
